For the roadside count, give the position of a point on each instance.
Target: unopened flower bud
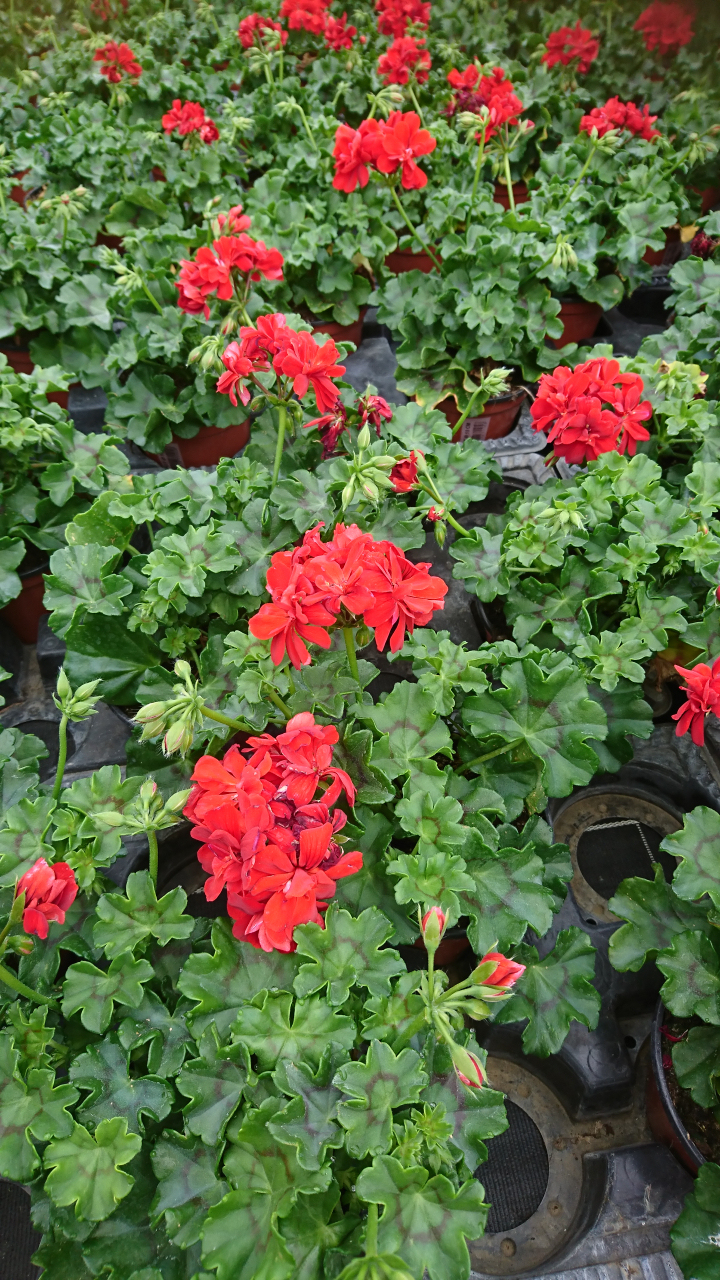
(432, 926)
(363, 636)
(496, 970)
(364, 438)
(468, 1067)
(178, 738)
(440, 533)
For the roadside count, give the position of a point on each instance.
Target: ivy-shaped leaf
(374, 1087)
(475, 1115)
(188, 1185)
(88, 989)
(507, 896)
(309, 1121)
(103, 1069)
(697, 845)
(220, 983)
(126, 920)
(213, 1082)
(654, 915)
(272, 1032)
(36, 1109)
(353, 754)
(692, 969)
(628, 716)
(434, 879)
(554, 992)
(479, 563)
(697, 1064)
(21, 838)
(87, 1169)
(81, 576)
(413, 732)
(166, 1034)
(425, 1220)
(371, 885)
(436, 825)
(345, 952)
(312, 1228)
(696, 1234)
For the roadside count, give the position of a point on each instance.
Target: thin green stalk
(374, 108)
(3, 209)
(412, 230)
(580, 177)
(414, 100)
(268, 74)
(62, 757)
(508, 180)
(432, 491)
(154, 301)
(281, 64)
(15, 984)
(490, 755)
(153, 856)
(478, 167)
(275, 697)
(371, 1232)
(238, 725)
(64, 234)
(349, 637)
(455, 524)
(308, 130)
(282, 419)
(468, 410)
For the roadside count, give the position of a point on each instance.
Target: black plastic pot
(648, 303)
(665, 1123)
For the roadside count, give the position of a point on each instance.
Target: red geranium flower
(703, 246)
(307, 364)
(404, 474)
(298, 613)
(665, 27)
(237, 368)
(506, 972)
(631, 412)
(235, 781)
(404, 56)
(331, 426)
(302, 756)
(117, 60)
(338, 35)
(400, 142)
(621, 115)
(374, 409)
(305, 15)
(702, 686)
(354, 150)
(49, 892)
(211, 270)
(262, 343)
(189, 117)
(464, 80)
(494, 91)
(234, 221)
(569, 407)
(569, 44)
(253, 28)
(405, 595)
(396, 15)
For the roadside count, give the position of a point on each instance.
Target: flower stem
(275, 697)
(154, 301)
(282, 418)
(239, 725)
(508, 180)
(489, 755)
(349, 637)
(478, 167)
(153, 856)
(62, 757)
(412, 230)
(468, 410)
(579, 178)
(371, 1232)
(10, 980)
(414, 100)
(455, 524)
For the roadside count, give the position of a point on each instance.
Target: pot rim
(682, 1137)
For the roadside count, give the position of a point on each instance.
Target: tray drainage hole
(515, 1175)
(630, 1042)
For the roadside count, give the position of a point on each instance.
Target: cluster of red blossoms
(266, 839)
(621, 115)
(702, 686)
(118, 60)
(569, 44)
(665, 27)
(189, 117)
(384, 146)
(590, 410)
(210, 271)
(293, 355)
(405, 57)
(351, 574)
(50, 891)
(302, 15)
(103, 10)
(252, 31)
(474, 90)
(394, 16)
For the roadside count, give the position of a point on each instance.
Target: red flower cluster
(293, 355)
(352, 572)
(211, 270)
(621, 115)
(252, 31)
(405, 56)
(383, 146)
(104, 9)
(374, 410)
(117, 60)
(703, 246)
(396, 15)
(496, 92)
(702, 686)
(189, 117)
(49, 892)
(305, 15)
(338, 35)
(665, 27)
(569, 407)
(404, 474)
(570, 43)
(234, 221)
(266, 839)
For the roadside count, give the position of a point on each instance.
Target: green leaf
(311, 1229)
(475, 1115)
(507, 896)
(345, 952)
(103, 1069)
(654, 914)
(81, 577)
(554, 992)
(103, 649)
(549, 713)
(437, 826)
(434, 879)
(269, 1031)
(126, 920)
(21, 838)
(697, 845)
(696, 1234)
(612, 656)
(303, 499)
(479, 563)
(353, 754)
(85, 301)
(374, 1087)
(220, 983)
(36, 1109)
(166, 1034)
(692, 969)
(188, 1185)
(12, 551)
(372, 886)
(425, 1220)
(88, 989)
(414, 731)
(213, 1082)
(87, 1170)
(628, 716)
(309, 1121)
(464, 471)
(391, 1017)
(697, 1064)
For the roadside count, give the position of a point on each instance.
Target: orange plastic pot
(580, 320)
(18, 358)
(342, 332)
(18, 193)
(206, 448)
(656, 257)
(519, 190)
(402, 260)
(25, 611)
(496, 420)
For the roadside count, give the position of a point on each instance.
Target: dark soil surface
(701, 1124)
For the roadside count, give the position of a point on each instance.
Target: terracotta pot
(25, 611)
(342, 332)
(111, 242)
(496, 420)
(519, 190)
(708, 197)
(402, 260)
(665, 1123)
(454, 944)
(580, 319)
(656, 257)
(18, 193)
(18, 358)
(158, 173)
(206, 448)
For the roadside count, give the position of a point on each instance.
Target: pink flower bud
(433, 927)
(468, 1068)
(505, 973)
